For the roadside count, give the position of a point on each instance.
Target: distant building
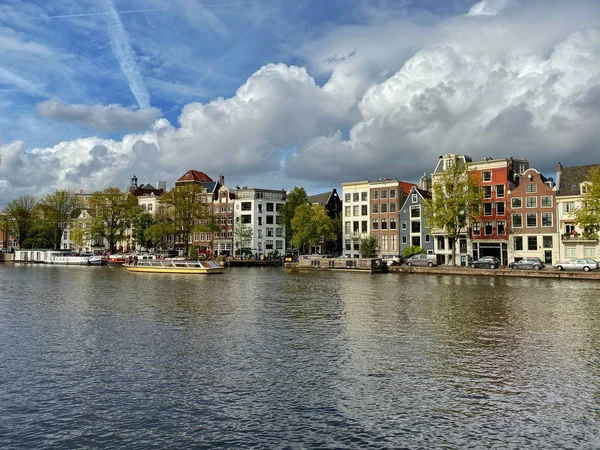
(413, 228)
(332, 203)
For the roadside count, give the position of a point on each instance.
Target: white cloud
(110, 118)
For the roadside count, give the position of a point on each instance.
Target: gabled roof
(572, 177)
(196, 176)
(406, 187)
(320, 199)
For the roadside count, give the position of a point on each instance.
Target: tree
(455, 202)
(588, 215)
(112, 212)
(295, 198)
(309, 224)
(412, 250)
(242, 234)
(59, 209)
(141, 223)
(367, 246)
(21, 214)
(187, 210)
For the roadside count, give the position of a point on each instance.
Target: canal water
(96, 357)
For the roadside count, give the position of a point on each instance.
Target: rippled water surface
(96, 357)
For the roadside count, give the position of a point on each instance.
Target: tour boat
(72, 260)
(174, 266)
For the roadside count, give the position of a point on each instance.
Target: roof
(406, 187)
(196, 176)
(572, 177)
(321, 199)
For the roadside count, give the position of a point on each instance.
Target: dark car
(528, 263)
(490, 262)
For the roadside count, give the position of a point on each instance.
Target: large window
(488, 228)
(546, 219)
(376, 224)
(531, 242)
(347, 200)
(392, 224)
(569, 207)
(517, 220)
(531, 202)
(547, 242)
(383, 193)
(516, 202)
(500, 227)
(476, 228)
(384, 224)
(531, 220)
(363, 196)
(486, 176)
(487, 209)
(500, 208)
(415, 211)
(518, 243)
(487, 192)
(392, 193)
(355, 196)
(375, 208)
(547, 201)
(347, 211)
(571, 252)
(364, 210)
(355, 210)
(416, 241)
(415, 227)
(392, 207)
(499, 190)
(383, 208)
(531, 188)
(374, 195)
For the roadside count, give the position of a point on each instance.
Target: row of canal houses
(524, 214)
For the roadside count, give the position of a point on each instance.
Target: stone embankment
(462, 270)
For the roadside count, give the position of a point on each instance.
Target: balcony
(578, 237)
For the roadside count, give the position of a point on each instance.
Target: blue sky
(277, 94)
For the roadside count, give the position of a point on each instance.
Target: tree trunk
(453, 251)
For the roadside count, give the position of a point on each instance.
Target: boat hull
(179, 267)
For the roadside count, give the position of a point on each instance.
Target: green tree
(21, 215)
(141, 223)
(295, 198)
(242, 234)
(367, 246)
(111, 212)
(79, 234)
(412, 250)
(588, 215)
(59, 209)
(187, 210)
(455, 202)
(309, 224)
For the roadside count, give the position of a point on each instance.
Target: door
(547, 256)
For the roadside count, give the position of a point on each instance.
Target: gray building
(413, 228)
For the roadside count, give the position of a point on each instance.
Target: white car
(391, 260)
(578, 264)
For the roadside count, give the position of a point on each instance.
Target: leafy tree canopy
(412, 250)
(295, 198)
(309, 224)
(588, 216)
(367, 246)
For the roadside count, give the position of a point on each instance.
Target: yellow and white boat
(174, 266)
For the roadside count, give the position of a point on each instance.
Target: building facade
(332, 203)
(413, 225)
(355, 218)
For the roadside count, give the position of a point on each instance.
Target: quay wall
(544, 273)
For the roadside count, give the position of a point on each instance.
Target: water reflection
(101, 357)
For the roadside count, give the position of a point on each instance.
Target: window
(393, 242)
(532, 243)
(355, 196)
(392, 207)
(427, 238)
(517, 220)
(279, 245)
(518, 243)
(375, 208)
(347, 200)
(488, 228)
(392, 193)
(392, 224)
(531, 188)
(547, 241)
(347, 244)
(500, 208)
(499, 190)
(404, 225)
(260, 207)
(383, 242)
(546, 219)
(376, 224)
(384, 224)
(259, 233)
(487, 209)
(416, 241)
(347, 211)
(384, 208)
(269, 232)
(487, 192)
(246, 206)
(516, 202)
(531, 202)
(415, 227)
(356, 210)
(270, 208)
(415, 212)
(546, 201)
(440, 243)
(486, 176)
(570, 228)
(476, 228)
(364, 210)
(363, 196)
(363, 225)
(270, 220)
(501, 227)
(569, 207)
(404, 239)
(384, 193)
(414, 198)
(279, 232)
(589, 252)
(374, 195)
(531, 220)
(571, 252)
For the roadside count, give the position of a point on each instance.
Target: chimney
(161, 185)
(559, 168)
(424, 182)
(221, 180)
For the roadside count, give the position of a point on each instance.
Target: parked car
(578, 264)
(490, 262)
(528, 263)
(392, 260)
(422, 260)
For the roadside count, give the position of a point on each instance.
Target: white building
(355, 217)
(260, 210)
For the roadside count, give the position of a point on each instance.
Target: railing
(578, 237)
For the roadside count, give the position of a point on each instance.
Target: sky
(279, 93)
